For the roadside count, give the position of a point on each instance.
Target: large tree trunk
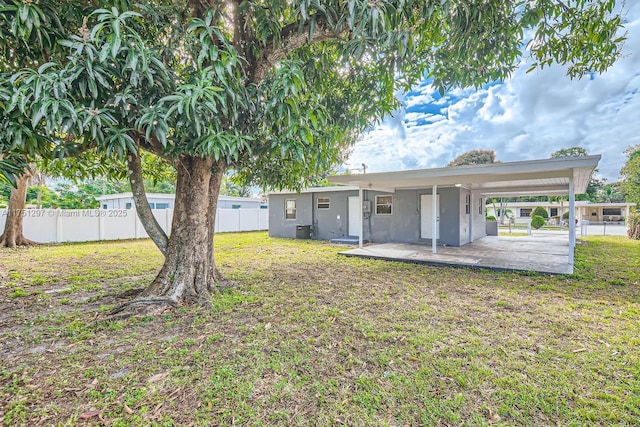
(149, 222)
(13, 234)
(189, 274)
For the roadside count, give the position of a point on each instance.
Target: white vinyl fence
(85, 225)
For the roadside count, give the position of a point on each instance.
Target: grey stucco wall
(281, 227)
(332, 223)
(402, 226)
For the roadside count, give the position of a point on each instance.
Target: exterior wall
(477, 211)
(225, 202)
(281, 227)
(402, 226)
(121, 203)
(332, 223)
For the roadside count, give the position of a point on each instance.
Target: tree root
(19, 241)
(143, 304)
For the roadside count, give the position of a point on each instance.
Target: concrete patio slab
(542, 251)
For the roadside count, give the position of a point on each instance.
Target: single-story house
(584, 210)
(413, 206)
(166, 201)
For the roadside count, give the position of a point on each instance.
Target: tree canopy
(630, 173)
(474, 157)
(569, 152)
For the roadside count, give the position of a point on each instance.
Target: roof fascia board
(446, 175)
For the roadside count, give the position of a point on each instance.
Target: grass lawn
(308, 337)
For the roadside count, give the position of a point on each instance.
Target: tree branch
(292, 37)
(149, 222)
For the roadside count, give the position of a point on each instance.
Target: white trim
(434, 218)
(525, 177)
(328, 203)
(360, 239)
(572, 223)
(316, 190)
(375, 207)
(295, 209)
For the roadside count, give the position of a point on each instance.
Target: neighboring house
(166, 201)
(584, 210)
(415, 205)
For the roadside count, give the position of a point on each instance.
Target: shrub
(491, 218)
(565, 215)
(537, 221)
(540, 211)
(633, 226)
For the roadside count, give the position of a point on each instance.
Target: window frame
(287, 209)
(327, 203)
(607, 211)
(384, 205)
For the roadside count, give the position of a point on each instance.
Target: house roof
(530, 177)
(129, 195)
(317, 190)
(170, 196)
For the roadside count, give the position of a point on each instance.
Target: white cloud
(527, 117)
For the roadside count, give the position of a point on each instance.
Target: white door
(355, 222)
(425, 216)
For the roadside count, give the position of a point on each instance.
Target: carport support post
(361, 215)
(572, 221)
(434, 218)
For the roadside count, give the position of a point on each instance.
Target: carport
(560, 176)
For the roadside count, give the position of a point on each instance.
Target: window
(468, 204)
(152, 205)
(162, 205)
(127, 206)
(553, 212)
(323, 202)
(480, 205)
(525, 212)
(264, 207)
(290, 209)
(611, 211)
(593, 213)
(384, 205)
(235, 206)
(104, 206)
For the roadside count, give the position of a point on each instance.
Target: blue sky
(526, 117)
